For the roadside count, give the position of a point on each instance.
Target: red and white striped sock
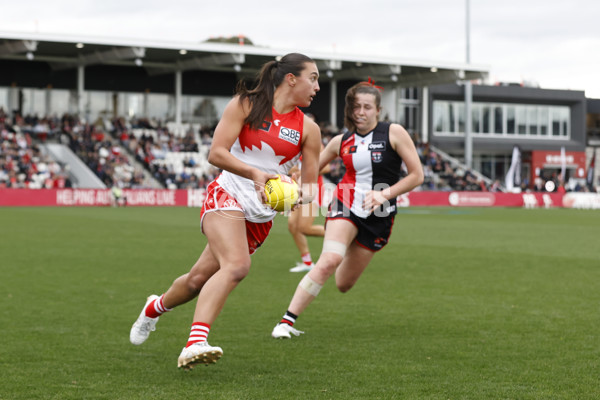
(199, 333)
(307, 259)
(156, 308)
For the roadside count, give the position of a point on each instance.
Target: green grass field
(462, 304)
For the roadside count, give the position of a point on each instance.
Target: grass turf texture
(462, 304)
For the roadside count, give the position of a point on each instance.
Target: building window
(565, 119)
(510, 120)
(451, 118)
(521, 120)
(476, 118)
(408, 117)
(497, 119)
(532, 120)
(556, 121)
(33, 101)
(460, 109)
(544, 113)
(487, 115)
(560, 121)
(439, 114)
(4, 103)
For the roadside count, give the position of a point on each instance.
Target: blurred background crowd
(139, 153)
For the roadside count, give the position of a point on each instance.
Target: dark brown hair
(270, 77)
(361, 87)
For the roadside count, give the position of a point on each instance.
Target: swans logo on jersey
(266, 125)
(376, 156)
(230, 203)
(276, 122)
(289, 135)
(377, 146)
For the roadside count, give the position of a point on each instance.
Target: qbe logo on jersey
(289, 135)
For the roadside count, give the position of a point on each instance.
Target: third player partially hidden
(360, 217)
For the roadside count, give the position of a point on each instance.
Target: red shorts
(217, 199)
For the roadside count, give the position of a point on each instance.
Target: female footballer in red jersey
(262, 133)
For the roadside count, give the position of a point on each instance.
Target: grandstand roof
(62, 52)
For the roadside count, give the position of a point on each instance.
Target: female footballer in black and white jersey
(361, 215)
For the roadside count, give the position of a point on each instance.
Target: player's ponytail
(268, 79)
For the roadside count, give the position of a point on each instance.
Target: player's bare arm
(403, 144)
(226, 133)
(311, 145)
(330, 152)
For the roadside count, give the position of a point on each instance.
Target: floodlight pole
(333, 103)
(467, 30)
(468, 96)
(178, 91)
(80, 92)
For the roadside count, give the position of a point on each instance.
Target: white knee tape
(331, 246)
(312, 287)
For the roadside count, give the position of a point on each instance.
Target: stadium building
(187, 83)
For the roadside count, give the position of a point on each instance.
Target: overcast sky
(555, 44)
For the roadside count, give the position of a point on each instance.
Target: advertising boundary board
(194, 198)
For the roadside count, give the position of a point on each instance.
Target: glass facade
(408, 109)
(502, 120)
(4, 103)
(41, 102)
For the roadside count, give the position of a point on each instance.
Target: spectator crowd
(22, 163)
(123, 153)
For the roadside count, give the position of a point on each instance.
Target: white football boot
(143, 325)
(285, 331)
(198, 353)
(301, 267)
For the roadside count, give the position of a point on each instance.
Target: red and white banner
(481, 199)
(194, 198)
(91, 197)
(582, 200)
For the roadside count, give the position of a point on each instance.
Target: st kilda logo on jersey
(377, 149)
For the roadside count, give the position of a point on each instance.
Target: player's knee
(239, 270)
(304, 225)
(343, 287)
(292, 226)
(306, 230)
(194, 283)
(334, 251)
(328, 263)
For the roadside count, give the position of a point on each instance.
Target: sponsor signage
(195, 198)
(582, 200)
(471, 199)
(92, 197)
(289, 135)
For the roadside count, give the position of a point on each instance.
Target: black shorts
(373, 231)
